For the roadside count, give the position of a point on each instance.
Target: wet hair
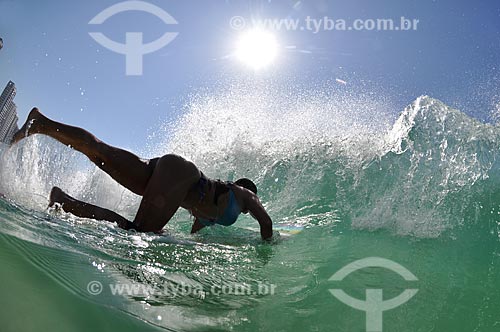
(247, 184)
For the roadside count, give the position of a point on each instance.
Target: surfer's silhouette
(165, 184)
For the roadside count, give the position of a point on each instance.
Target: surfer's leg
(86, 210)
(125, 167)
(170, 183)
(196, 226)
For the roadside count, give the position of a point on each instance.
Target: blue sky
(453, 55)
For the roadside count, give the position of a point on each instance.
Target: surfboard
(290, 229)
(285, 229)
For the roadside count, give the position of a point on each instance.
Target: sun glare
(256, 48)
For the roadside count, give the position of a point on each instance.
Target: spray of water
(317, 158)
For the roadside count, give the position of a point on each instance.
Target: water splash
(317, 158)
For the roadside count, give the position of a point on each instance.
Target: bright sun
(256, 48)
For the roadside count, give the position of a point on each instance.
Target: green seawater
(423, 192)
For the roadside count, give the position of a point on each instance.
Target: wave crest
(316, 158)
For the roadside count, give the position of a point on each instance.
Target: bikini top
(231, 212)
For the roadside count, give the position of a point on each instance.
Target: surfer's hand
(266, 234)
(269, 238)
(125, 224)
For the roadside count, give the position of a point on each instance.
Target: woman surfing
(165, 184)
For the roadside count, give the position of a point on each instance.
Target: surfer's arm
(196, 226)
(260, 214)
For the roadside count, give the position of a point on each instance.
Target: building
(8, 113)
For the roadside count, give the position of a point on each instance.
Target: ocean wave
(320, 160)
(317, 159)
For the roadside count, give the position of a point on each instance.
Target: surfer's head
(247, 184)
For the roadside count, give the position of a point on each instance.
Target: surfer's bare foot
(56, 196)
(31, 126)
